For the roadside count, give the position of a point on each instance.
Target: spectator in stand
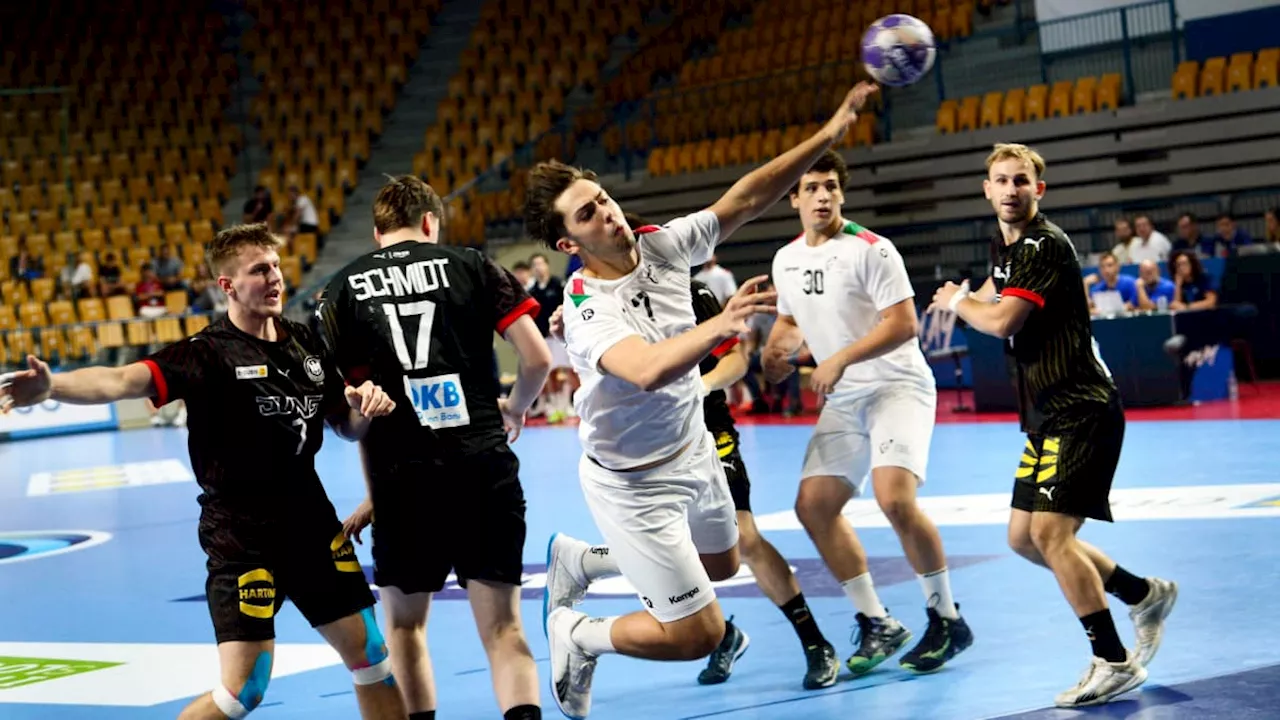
(1188, 233)
(719, 278)
(1150, 243)
(548, 290)
(205, 294)
(77, 276)
(303, 217)
(1193, 288)
(1159, 291)
(24, 265)
(524, 275)
(148, 296)
(1124, 236)
(169, 269)
(1229, 238)
(1273, 227)
(257, 209)
(109, 276)
(787, 391)
(1113, 291)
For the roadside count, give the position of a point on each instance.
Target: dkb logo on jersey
(439, 401)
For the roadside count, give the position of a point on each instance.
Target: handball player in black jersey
(1070, 409)
(259, 390)
(418, 318)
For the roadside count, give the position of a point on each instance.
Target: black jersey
(715, 406)
(255, 415)
(1060, 375)
(418, 319)
(549, 297)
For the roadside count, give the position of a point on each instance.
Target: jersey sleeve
(778, 282)
(1037, 268)
(179, 370)
(510, 300)
(688, 240)
(705, 307)
(885, 276)
(593, 327)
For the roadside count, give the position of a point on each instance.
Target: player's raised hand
(370, 400)
(556, 324)
(358, 521)
(748, 301)
(847, 114)
(26, 387)
(511, 421)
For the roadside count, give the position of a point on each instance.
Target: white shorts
(889, 428)
(656, 522)
(559, 353)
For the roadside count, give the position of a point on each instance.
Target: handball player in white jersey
(845, 290)
(649, 471)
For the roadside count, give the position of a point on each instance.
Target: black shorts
(252, 572)
(463, 515)
(734, 469)
(1070, 471)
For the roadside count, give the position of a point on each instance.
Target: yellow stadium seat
(1015, 102)
(946, 120)
(1213, 76)
(968, 116)
(1037, 102)
(1186, 80)
(992, 104)
(1240, 72)
(195, 323)
(1109, 91)
(1060, 99)
(1267, 69)
(1085, 97)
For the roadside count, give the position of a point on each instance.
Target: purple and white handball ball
(898, 50)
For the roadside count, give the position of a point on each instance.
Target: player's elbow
(536, 360)
(1008, 326)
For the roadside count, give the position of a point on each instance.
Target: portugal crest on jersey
(578, 293)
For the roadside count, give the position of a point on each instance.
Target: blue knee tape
(375, 648)
(256, 686)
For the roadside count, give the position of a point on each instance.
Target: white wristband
(961, 294)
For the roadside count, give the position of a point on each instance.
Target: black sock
(1101, 629)
(523, 712)
(1130, 588)
(424, 715)
(797, 611)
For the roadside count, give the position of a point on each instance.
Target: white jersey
(620, 425)
(836, 292)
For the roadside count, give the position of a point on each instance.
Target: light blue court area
(102, 586)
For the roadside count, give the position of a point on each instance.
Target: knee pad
(378, 668)
(255, 687)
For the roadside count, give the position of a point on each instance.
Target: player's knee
(750, 544)
(810, 508)
(249, 695)
(698, 636)
(374, 666)
(899, 511)
(1020, 542)
(1049, 538)
(504, 634)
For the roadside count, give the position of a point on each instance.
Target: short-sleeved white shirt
(620, 425)
(836, 292)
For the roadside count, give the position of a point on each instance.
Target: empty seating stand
(1017, 105)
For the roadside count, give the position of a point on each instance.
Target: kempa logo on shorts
(676, 599)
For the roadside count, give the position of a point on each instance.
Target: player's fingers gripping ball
(898, 50)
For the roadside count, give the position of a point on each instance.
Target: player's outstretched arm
(535, 363)
(732, 367)
(761, 188)
(88, 386)
(653, 366)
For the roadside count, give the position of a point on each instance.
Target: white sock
(937, 593)
(597, 563)
(593, 635)
(863, 594)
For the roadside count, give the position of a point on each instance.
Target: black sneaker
(942, 641)
(877, 639)
(720, 665)
(824, 666)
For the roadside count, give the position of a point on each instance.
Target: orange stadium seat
(1037, 102)
(1085, 97)
(1186, 80)
(967, 119)
(1213, 76)
(1109, 91)
(1015, 102)
(946, 120)
(1240, 72)
(992, 105)
(1267, 69)
(1060, 99)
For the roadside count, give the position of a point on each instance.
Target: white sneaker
(566, 581)
(571, 668)
(1148, 618)
(1102, 682)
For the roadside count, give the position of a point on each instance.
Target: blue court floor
(102, 582)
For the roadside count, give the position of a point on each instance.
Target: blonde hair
(1016, 151)
(227, 243)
